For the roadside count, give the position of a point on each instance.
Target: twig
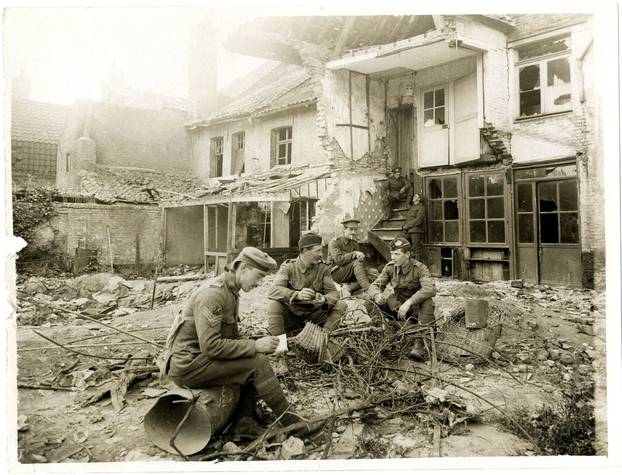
(329, 438)
(434, 360)
(110, 250)
(436, 452)
(47, 387)
(121, 343)
(86, 317)
(255, 446)
(194, 400)
(103, 335)
(88, 354)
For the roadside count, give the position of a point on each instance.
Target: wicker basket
(313, 345)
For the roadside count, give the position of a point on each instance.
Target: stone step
(389, 233)
(391, 223)
(399, 212)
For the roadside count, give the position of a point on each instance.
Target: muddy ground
(550, 337)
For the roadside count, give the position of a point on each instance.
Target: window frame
(38, 159)
(542, 63)
(275, 159)
(445, 106)
(467, 202)
(442, 199)
(217, 159)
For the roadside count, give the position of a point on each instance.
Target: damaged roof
(291, 86)
(128, 185)
(33, 121)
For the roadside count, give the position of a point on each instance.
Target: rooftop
(33, 121)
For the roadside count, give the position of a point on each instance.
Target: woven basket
(313, 345)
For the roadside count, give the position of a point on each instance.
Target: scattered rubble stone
(291, 447)
(230, 448)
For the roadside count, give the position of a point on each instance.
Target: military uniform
(345, 267)
(399, 189)
(286, 314)
(205, 349)
(413, 226)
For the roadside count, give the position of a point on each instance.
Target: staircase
(388, 229)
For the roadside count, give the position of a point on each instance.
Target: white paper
(282, 344)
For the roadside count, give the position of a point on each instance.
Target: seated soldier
(347, 262)
(205, 348)
(303, 290)
(399, 188)
(413, 290)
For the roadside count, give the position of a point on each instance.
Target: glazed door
(434, 129)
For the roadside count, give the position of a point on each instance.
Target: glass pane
(495, 208)
(525, 228)
(521, 174)
(496, 231)
(451, 231)
(477, 208)
(436, 231)
(549, 231)
(289, 152)
(451, 209)
(282, 134)
(557, 72)
(436, 210)
(451, 187)
(476, 186)
(569, 227)
(542, 48)
(435, 189)
(494, 185)
(428, 118)
(529, 78)
(477, 230)
(529, 103)
(561, 171)
(440, 115)
(568, 196)
(548, 197)
(525, 200)
(282, 151)
(428, 99)
(439, 97)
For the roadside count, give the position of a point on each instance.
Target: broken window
(486, 208)
(281, 146)
(544, 81)
(301, 215)
(443, 210)
(524, 207)
(216, 157)
(237, 153)
(558, 210)
(434, 107)
(33, 158)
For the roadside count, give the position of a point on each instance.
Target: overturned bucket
(203, 418)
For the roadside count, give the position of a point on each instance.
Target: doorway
(547, 230)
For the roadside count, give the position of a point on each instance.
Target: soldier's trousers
(424, 312)
(416, 241)
(355, 272)
(282, 320)
(255, 370)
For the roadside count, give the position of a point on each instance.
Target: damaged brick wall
(87, 223)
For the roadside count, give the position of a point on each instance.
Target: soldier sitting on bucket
(347, 262)
(413, 290)
(304, 291)
(206, 350)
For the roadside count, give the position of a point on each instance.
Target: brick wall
(128, 224)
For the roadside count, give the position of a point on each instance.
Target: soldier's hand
(306, 294)
(379, 299)
(359, 255)
(403, 310)
(266, 344)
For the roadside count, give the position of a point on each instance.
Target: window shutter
(273, 140)
(211, 167)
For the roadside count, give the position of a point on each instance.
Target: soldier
(205, 348)
(399, 187)
(303, 290)
(347, 262)
(413, 225)
(413, 290)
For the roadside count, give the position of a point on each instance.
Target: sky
(66, 52)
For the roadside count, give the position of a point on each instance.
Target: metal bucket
(208, 415)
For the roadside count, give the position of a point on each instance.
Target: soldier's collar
(406, 266)
(302, 264)
(231, 284)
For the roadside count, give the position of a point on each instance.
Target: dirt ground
(549, 336)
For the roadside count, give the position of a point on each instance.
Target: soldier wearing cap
(303, 290)
(204, 346)
(399, 188)
(413, 290)
(347, 262)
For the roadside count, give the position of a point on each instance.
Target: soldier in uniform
(347, 262)
(204, 346)
(399, 188)
(413, 226)
(413, 290)
(303, 290)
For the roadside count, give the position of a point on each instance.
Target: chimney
(203, 70)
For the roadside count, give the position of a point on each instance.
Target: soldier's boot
(360, 272)
(335, 315)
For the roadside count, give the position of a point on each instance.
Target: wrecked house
(495, 115)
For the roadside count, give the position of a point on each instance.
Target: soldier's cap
(256, 258)
(309, 240)
(350, 220)
(396, 170)
(400, 243)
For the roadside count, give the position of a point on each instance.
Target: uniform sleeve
(208, 315)
(280, 290)
(328, 287)
(427, 290)
(378, 285)
(338, 255)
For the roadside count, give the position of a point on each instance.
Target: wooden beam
(439, 24)
(343, 36)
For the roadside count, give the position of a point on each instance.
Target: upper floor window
(434, 108)
(281, 149)
(544, 80)
(34, 158)
(216, 157)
